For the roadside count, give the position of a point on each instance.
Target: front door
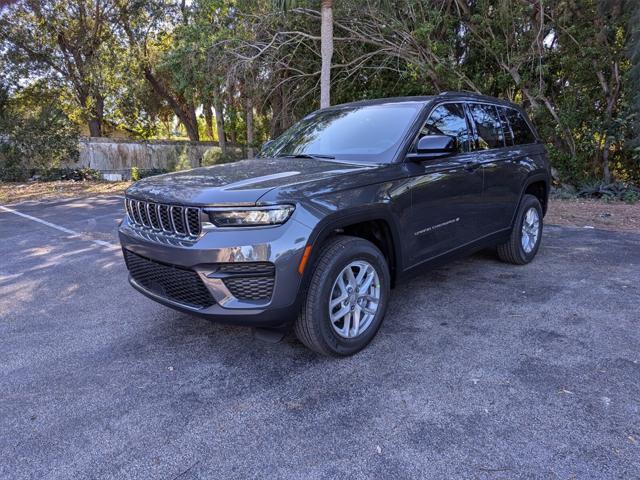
(444, 192)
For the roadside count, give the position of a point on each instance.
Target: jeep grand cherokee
(316, 231)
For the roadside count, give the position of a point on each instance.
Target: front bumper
(282, 246)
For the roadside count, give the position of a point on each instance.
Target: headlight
(250, 217)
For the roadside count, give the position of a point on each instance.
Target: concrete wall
(118, 156)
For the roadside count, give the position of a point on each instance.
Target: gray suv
(351, 199)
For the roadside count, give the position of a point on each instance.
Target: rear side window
(488, 126)
(522, 134)
(506, 128)
(449, 119)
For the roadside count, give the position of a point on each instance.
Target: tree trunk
(274, 123)
(92, 113)
(326, 51)
(249, 106)
(208, 120)
(190, 122)
(217, 110)
(185, 112)
(606, 173)
(95, 127)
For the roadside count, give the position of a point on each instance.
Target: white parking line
(73, 233)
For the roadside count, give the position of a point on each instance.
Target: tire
(514, 250)
(314, 326)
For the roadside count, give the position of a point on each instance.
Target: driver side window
(449, 119)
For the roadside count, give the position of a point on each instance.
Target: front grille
(169, 281)
(172, 219)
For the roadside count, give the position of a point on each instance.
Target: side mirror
(435, 146)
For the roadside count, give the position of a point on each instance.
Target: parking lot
(481, 369)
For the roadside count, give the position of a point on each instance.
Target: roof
(454, 95)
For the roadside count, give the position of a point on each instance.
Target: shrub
(36, 141)
(613, 191)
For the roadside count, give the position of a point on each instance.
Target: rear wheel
(346, 299)
(525, 237)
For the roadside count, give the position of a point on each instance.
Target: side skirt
(465, 250)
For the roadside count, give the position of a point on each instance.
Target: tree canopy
(242, 71)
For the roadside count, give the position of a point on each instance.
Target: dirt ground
(19, 192)
(594, 214)
(573, 213)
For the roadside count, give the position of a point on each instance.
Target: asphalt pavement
(481, 370)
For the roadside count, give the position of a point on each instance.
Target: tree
(144, 26)
(67, 41)
(326, 44)
(36, 135)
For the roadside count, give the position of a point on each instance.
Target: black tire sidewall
(358, 250)
(529, 201)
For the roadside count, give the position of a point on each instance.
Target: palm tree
(326, 51)
(326, 44)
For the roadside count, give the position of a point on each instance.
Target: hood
(237, 183)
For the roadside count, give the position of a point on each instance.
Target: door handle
(471, 166)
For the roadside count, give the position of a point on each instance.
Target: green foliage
(34, 137)
(215, 156)
(149, 172)
(135, 174)
(75, 174)
(613, 191)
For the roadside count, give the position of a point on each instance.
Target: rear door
(502, 174)
(445, 191)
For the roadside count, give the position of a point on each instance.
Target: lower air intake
(169, 281)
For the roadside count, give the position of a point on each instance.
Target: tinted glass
(367, 133)
(506, 128)
(449, 119)
(488, 126)
(522, 134)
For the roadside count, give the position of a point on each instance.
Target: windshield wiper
(308, 155)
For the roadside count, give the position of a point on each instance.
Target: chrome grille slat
(193, 223)
(175, 220)
(153, 215)
(165, 223)
(177, 217)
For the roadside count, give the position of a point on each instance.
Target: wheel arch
(536, 184)
(376, 224)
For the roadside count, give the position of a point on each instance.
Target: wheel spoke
(336, 301)
(367, 282)
(361, 275)
(368, 311)
(340, 313)
(347, 324)
(342, 285)
(351, 279)
(356, 321)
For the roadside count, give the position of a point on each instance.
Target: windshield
(370, 133)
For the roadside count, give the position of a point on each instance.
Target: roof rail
(458, 92)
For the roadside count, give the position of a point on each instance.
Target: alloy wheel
(354, 299)
(530, 230)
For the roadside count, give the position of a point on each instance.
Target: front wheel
(525, 237)
(346, 299)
